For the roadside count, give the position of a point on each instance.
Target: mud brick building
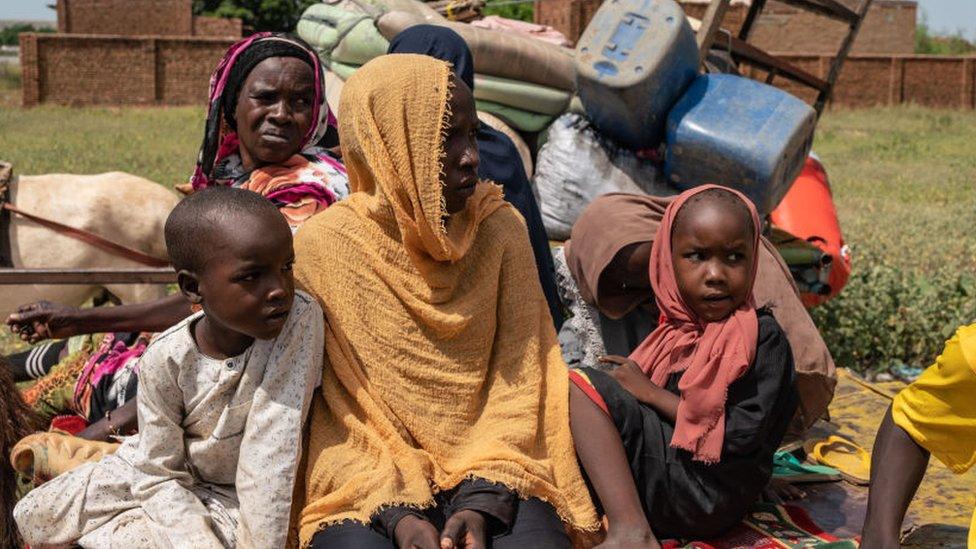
(888, 28)
(118, 52)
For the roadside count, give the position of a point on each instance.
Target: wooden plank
(838, 62)
(754, 10)
(709, 26)
(87, 276)
(755, 56)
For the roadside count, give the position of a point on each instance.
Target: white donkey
(117, 206)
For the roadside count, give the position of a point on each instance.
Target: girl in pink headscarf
(678, 440)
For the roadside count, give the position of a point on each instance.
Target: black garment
(103, 396)
(683, 498)
(495, 501)
(535, 525)
(499, 159)
(36, 362)
(621, 337)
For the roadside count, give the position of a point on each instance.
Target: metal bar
(827, 8)
(763, 60)
(754, 10)
(838, 61)
(709, 26)
(87, 276)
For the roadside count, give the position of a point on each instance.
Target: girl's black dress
(686, 499)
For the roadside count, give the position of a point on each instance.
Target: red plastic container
(807, 211)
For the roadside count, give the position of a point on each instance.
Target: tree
(8, 36)
(257, 15)
(510, 9)
(928, 42)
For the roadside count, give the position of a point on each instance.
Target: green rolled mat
(362, 43)
(519, 119)
(343, 70)
(323, 26)
(521, 95)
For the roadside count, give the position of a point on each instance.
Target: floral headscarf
(301, 186)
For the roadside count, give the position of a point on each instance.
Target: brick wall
(569, 17)
(217, 26)
(117, 70)
(888, 28)
(872, 80)
(126, 17)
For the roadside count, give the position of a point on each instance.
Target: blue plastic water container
(633, 62)
(733, 131)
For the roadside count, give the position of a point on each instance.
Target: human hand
(628, 374)
(42, 320)
(464, 530)
(413, 532)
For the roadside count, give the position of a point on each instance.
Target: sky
(944, 16)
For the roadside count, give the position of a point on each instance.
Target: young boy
(222, 398)
(934, 415)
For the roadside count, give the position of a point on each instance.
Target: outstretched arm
(45, 320)
(897, 466)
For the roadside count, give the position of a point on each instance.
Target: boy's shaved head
(718, 197)
(198, 222)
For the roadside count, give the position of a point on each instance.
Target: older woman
(443, 417)
(266, 117)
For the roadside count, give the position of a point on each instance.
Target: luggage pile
(626, 111)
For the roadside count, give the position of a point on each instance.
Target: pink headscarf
(220, 141)
(712, 355)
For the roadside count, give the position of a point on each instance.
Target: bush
(257, 15)
(888, 316)
(929, 43)
(9, 35)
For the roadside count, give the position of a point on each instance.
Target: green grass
(158, 143)
(904, 181)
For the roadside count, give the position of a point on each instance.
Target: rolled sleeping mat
(500, 54)
(359, 45)
(520, 145)
(343, 70)
(521, 95)
(523, 121)
(323, 26)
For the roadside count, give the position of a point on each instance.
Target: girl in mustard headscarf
(444, 413)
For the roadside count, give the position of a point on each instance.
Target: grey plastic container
(633, 63)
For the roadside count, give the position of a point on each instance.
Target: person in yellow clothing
(935, 415)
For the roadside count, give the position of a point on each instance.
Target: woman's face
(274, 111)
(461, 149)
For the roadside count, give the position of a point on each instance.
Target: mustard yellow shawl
(442, 362)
